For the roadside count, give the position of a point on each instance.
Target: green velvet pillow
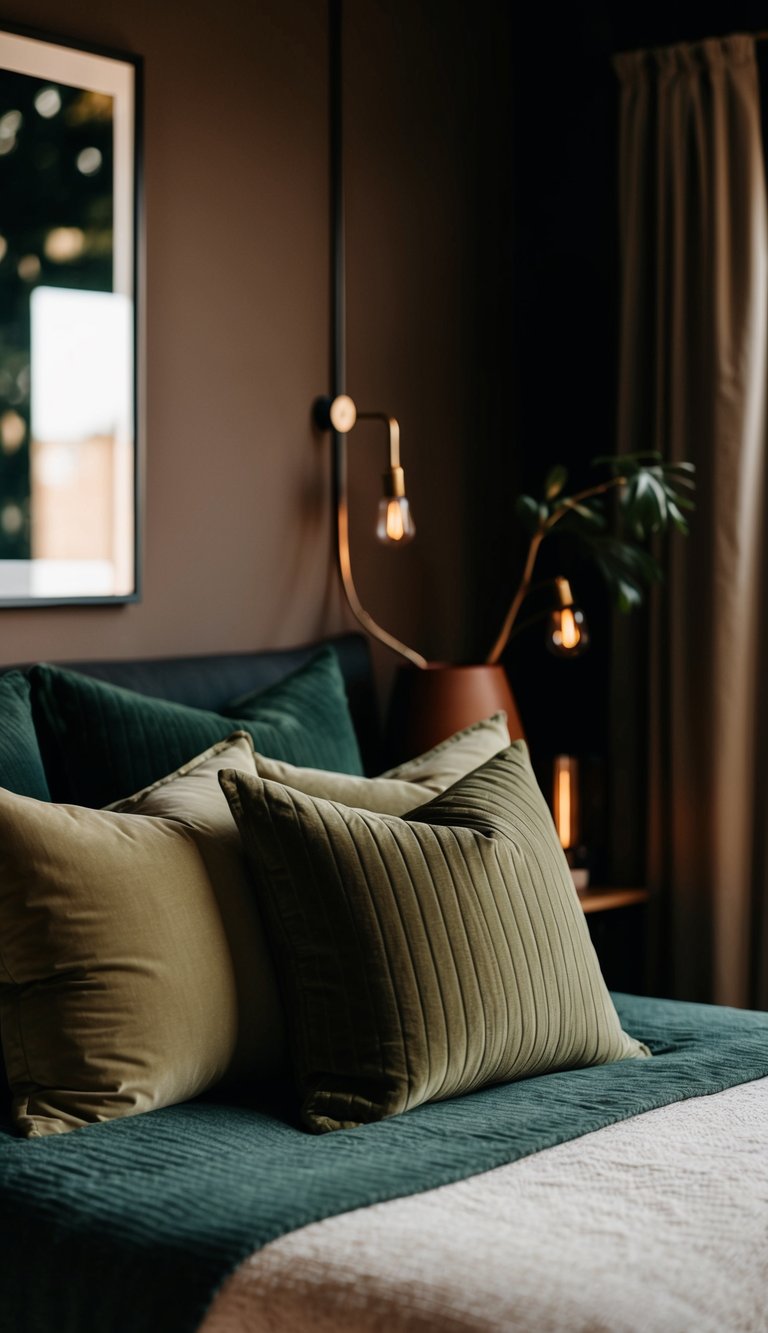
(21, 764)
(424, 957)
(101, 742)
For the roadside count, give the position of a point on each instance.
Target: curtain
(692, 384)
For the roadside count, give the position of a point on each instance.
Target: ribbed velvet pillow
(410, 784)
(101, 742)
(21, 765)
(423, 957)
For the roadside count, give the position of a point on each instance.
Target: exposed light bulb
(395, 526)
(567, 633)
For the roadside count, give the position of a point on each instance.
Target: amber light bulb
(395, 525)
(567, 633)
(565, 802)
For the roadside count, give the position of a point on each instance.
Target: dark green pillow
(422, 957)
(21, 764)
(101, 742)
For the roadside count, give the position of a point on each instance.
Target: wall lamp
(394, 527)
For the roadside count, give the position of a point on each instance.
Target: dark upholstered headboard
(213, 680)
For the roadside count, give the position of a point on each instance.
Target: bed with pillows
(290, 1046)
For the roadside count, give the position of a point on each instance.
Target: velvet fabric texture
(192, 799)
(117, 993)
(100, 742)
(410, 784)
(424, 957)
(21, 764)
(133, 967)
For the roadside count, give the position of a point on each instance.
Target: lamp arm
(344, 557)
(393, 425)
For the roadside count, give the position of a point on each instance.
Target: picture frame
(70, 364)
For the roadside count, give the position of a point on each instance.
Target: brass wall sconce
(394, 526)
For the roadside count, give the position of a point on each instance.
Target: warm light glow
(566, 797)
(13, 429)
(564, 806)
(395, 525)
(567, 632)
(64, 243)
(28, 268)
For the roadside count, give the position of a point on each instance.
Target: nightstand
(609, 900)
(617, 925)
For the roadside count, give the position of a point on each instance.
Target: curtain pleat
(692, 383)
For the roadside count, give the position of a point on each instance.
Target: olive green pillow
(423, 957)
(133, 972)
(101, 742)
(403, 788)
(21, 765)
(193, 799)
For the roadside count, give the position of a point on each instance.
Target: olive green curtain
(692, 384)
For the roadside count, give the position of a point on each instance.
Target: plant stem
(519, 597)
(571, 501)
(543, 530)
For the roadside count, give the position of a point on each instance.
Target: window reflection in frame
(69, 169)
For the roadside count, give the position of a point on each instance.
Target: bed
(622, 1196)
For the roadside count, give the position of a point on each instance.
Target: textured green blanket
(132, 1225)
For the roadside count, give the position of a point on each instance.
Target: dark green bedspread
(132, 1225)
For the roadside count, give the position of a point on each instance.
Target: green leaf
(628, 596)
(645, 504)
(590, 515)
(685, 468)
(555, 481)
(677, 518)
(527, 510)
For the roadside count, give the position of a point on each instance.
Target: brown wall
(236, 540)
(236, 315)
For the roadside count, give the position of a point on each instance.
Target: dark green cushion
(21, 765)
(101, 742)
(423, 957)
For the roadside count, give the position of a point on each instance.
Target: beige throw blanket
(658, 1224)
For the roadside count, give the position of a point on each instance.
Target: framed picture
(69, 230)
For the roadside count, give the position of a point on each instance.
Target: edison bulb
(395, 524)
(567, 633)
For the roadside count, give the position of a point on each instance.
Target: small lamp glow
(567, 634)
(395, 525)
(565, 802)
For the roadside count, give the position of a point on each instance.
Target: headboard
(212, 680)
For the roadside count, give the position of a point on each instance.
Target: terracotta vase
(428, 705)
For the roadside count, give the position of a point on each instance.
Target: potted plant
(432, 699)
